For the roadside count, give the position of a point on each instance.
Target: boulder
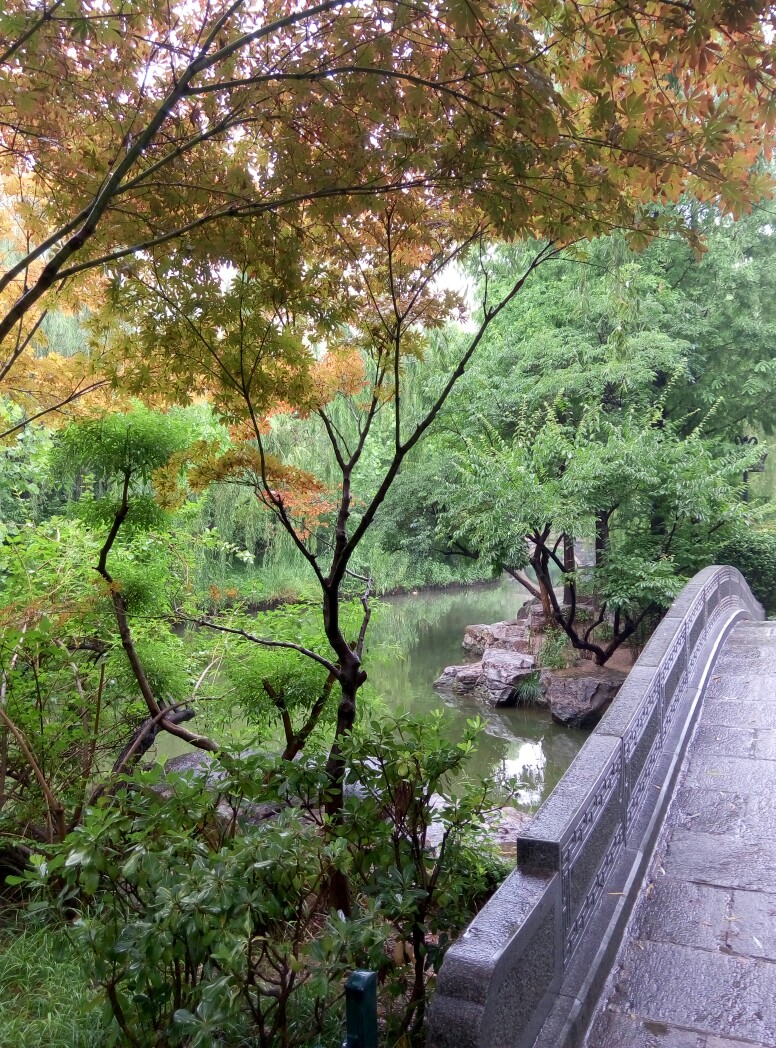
(531, 616)
(461, 680)
(197, 764)
(509, 636)
(502, 671)
(581, 701)
(494, 679)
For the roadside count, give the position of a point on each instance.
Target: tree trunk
(601, 536)
(339, 886)
(569, 565)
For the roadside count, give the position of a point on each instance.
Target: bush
(203, 922)
(754, 554)
(556, 652)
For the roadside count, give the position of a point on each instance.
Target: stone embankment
(576, 699)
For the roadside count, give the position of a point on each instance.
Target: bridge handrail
(500, 980)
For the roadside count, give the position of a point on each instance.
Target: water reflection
(412, 638)
(416, 635)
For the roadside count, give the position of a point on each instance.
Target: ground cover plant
(202, 907)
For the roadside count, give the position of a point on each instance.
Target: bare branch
(266, 642)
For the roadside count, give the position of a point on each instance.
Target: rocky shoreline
(507, 674)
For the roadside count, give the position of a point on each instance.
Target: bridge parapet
(536, 955)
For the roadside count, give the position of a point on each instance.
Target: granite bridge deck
(642, 911)
(697, 968)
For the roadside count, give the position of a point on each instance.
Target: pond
(415, 635)
(411, 639)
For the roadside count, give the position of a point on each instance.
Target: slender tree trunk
(601, 536)
(569, 565)
(351, 677)
(538, 563)
(339, 885)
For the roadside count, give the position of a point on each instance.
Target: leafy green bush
(753, 552)
(556, 652)
(205, 923)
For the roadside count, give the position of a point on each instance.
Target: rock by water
(493, 679)
(577, 698)
(460, 680)
(502, 671)
(579, 701)
(509, 636)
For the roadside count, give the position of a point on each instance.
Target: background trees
(602, 408)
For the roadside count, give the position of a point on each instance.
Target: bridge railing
(584, 854)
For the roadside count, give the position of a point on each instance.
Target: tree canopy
(223, 134)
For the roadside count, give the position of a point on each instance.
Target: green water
(411, 639)
(416, 635)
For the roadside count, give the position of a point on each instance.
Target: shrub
(754, 554)
(204, 922)
(556, 652)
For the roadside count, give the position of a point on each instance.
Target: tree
(150, 131)
(725, 313)
(653, 498)
(267, 203)
(571, 122)
(589, 415)
(90, 671)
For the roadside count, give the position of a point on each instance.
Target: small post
(361, 1010)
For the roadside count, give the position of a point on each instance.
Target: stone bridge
(642, 913)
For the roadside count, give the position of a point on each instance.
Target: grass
(43, 997)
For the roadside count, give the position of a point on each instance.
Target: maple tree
(362, 178)
(146, 129)
(265, 198)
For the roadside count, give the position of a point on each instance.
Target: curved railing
(536, 955)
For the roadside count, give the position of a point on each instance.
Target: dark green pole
(361, 1010)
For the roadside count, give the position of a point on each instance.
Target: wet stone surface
(616, 1029)
(712, 739)
(709, 810)
(737, 774)
(697, 968)
(729, 712)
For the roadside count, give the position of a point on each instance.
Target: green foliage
(529, 691)
(403, 800)
(753, 552)
(68, 688)
(43, 997)
(136, 442)
(24, 475)
(144, 513)
(199, 935)
(555, 652)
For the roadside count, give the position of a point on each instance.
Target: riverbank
(273, 603)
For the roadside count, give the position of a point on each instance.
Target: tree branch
(267, 643)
